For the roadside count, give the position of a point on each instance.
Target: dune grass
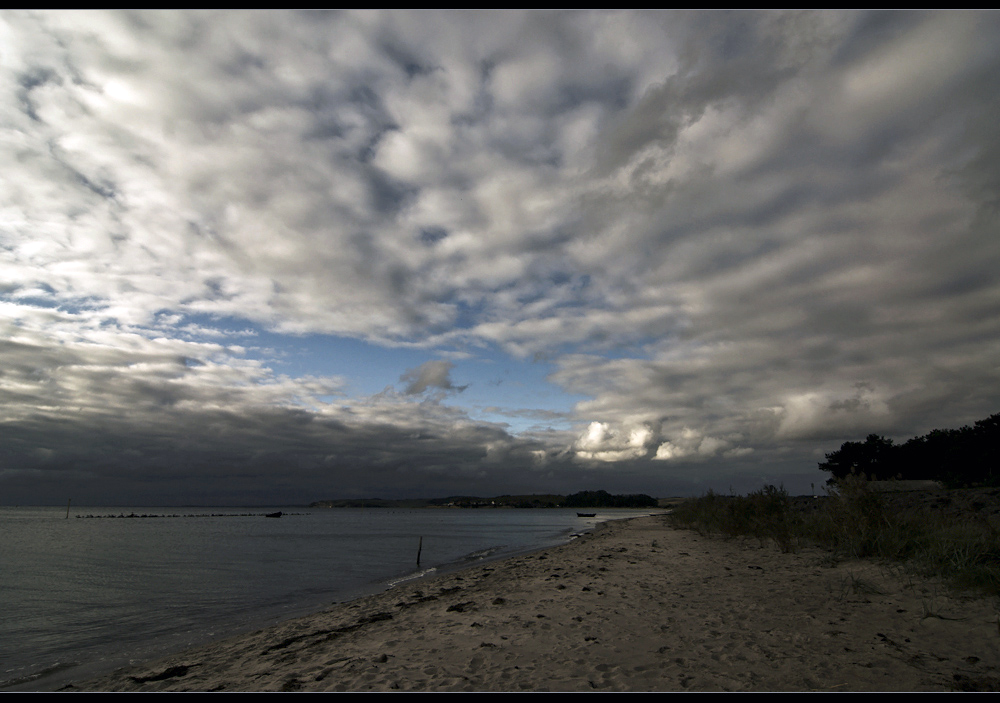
(856, 522)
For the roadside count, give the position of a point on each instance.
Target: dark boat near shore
(586, 514)
(277, 514)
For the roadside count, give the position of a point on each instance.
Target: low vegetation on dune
(961, 545)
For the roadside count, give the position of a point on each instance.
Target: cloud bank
(743, 238)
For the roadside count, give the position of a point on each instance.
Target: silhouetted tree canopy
(963, 457)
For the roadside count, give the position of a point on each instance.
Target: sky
(277, 257)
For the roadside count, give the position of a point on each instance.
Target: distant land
(584, 499)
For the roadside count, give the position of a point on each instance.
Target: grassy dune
(960, 546)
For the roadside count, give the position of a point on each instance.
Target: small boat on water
(586, 514)
(277, 514)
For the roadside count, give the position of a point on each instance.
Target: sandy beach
(634, 606)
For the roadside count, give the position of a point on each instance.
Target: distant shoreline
(583, 499)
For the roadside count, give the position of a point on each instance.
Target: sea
(107, 587)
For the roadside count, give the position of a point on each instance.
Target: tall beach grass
(858, 522)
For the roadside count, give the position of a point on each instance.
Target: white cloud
(693, 446)
(602, 442)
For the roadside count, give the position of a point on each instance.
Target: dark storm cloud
(739, 235)
(250, 455)
(121, 416)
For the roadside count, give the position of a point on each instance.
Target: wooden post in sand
(420, 546)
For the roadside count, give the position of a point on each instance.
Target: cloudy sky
(277, 257)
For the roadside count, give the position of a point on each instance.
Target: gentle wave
(411, 577)
(484, 553)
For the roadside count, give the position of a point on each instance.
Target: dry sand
(636, 606)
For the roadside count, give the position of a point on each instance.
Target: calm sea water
(79, 596)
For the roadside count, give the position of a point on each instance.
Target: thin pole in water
(68, 501)
(420, 547)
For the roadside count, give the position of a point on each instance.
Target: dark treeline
(963, 457)
(584, 499)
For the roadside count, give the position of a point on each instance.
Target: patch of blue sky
(367, 368)
(638, 346)
(642, 348)
(468, 315)
(497, 382)
(42, 295)
(497, 387)
(36, 301)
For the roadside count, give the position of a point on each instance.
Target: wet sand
(635, 606)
